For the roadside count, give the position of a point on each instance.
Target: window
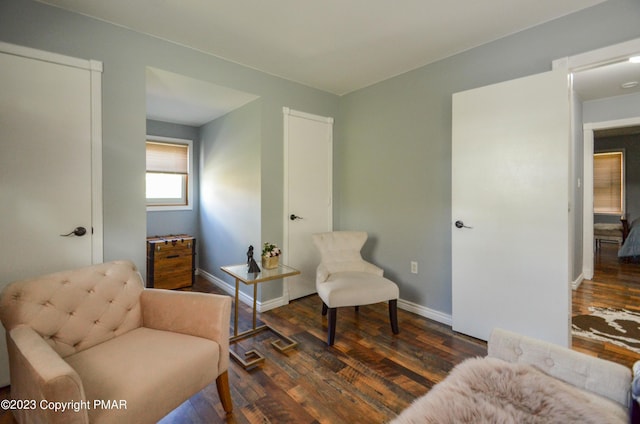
(168, 175)
(608, 183)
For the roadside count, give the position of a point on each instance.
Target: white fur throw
(490, 390)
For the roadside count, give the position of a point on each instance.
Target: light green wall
(230, 186)
(612, 108)
(125, 56)
(392, 141)
(393, 154)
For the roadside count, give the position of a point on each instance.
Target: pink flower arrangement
(270, 249)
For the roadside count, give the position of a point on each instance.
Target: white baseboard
(244, 298)
(281, 301)
(576, 283)
(423, 311)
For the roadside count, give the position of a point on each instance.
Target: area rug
(617, 326)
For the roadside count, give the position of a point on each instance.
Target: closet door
(49, 134)
(308, 144)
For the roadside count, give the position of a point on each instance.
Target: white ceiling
(606, 81)
(182, 100)
(334, 45)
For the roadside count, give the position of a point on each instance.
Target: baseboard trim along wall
(423, 311)
(281, 301)
(244, 298)
(576, 283)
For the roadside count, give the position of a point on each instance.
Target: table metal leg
(235, 312)
(255, 296)
(256, 356)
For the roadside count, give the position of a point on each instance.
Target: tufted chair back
(340, 250)
(74, 310)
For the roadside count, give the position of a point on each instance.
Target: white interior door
(308, 189)
(48, 123)
(510, 267)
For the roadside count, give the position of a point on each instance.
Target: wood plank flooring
(615, 284)
(369, 375)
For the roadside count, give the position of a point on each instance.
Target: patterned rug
(618, 326)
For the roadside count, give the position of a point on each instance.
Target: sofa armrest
(39, 374)
(203, 315)
(596, 375)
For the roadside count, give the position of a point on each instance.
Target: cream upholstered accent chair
(109, 350)
(343, 278)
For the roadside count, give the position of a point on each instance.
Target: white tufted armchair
(343, 278)
(109, 350)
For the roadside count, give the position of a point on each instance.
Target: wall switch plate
(414, 267)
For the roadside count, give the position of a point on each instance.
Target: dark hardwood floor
(369, 375)
(615, 284)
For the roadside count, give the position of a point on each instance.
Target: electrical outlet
(414, 267)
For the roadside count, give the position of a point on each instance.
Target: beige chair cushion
(161, 367)
(353, 288)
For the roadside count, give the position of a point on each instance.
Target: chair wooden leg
(222, 383)
(357, 308)
(393, 315)
(332, 326)
(324, 309)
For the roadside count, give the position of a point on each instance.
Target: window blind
(608, 183)
(167, 158)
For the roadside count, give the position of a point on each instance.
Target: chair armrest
(203, 315)
(596, 375)
(39, 374)
(322, 273)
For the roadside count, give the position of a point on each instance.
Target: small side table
(240, 273)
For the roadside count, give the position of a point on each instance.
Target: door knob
(460, 224)
(78, 231)
(293, 217)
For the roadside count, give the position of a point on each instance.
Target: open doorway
(609, 136)
(609, 102)
(606, 307)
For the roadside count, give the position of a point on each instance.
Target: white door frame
(587, 237)
(287, 112)
(95, 69)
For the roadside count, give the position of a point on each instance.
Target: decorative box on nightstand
(171, 261)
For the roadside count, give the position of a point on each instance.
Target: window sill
(169, 208)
